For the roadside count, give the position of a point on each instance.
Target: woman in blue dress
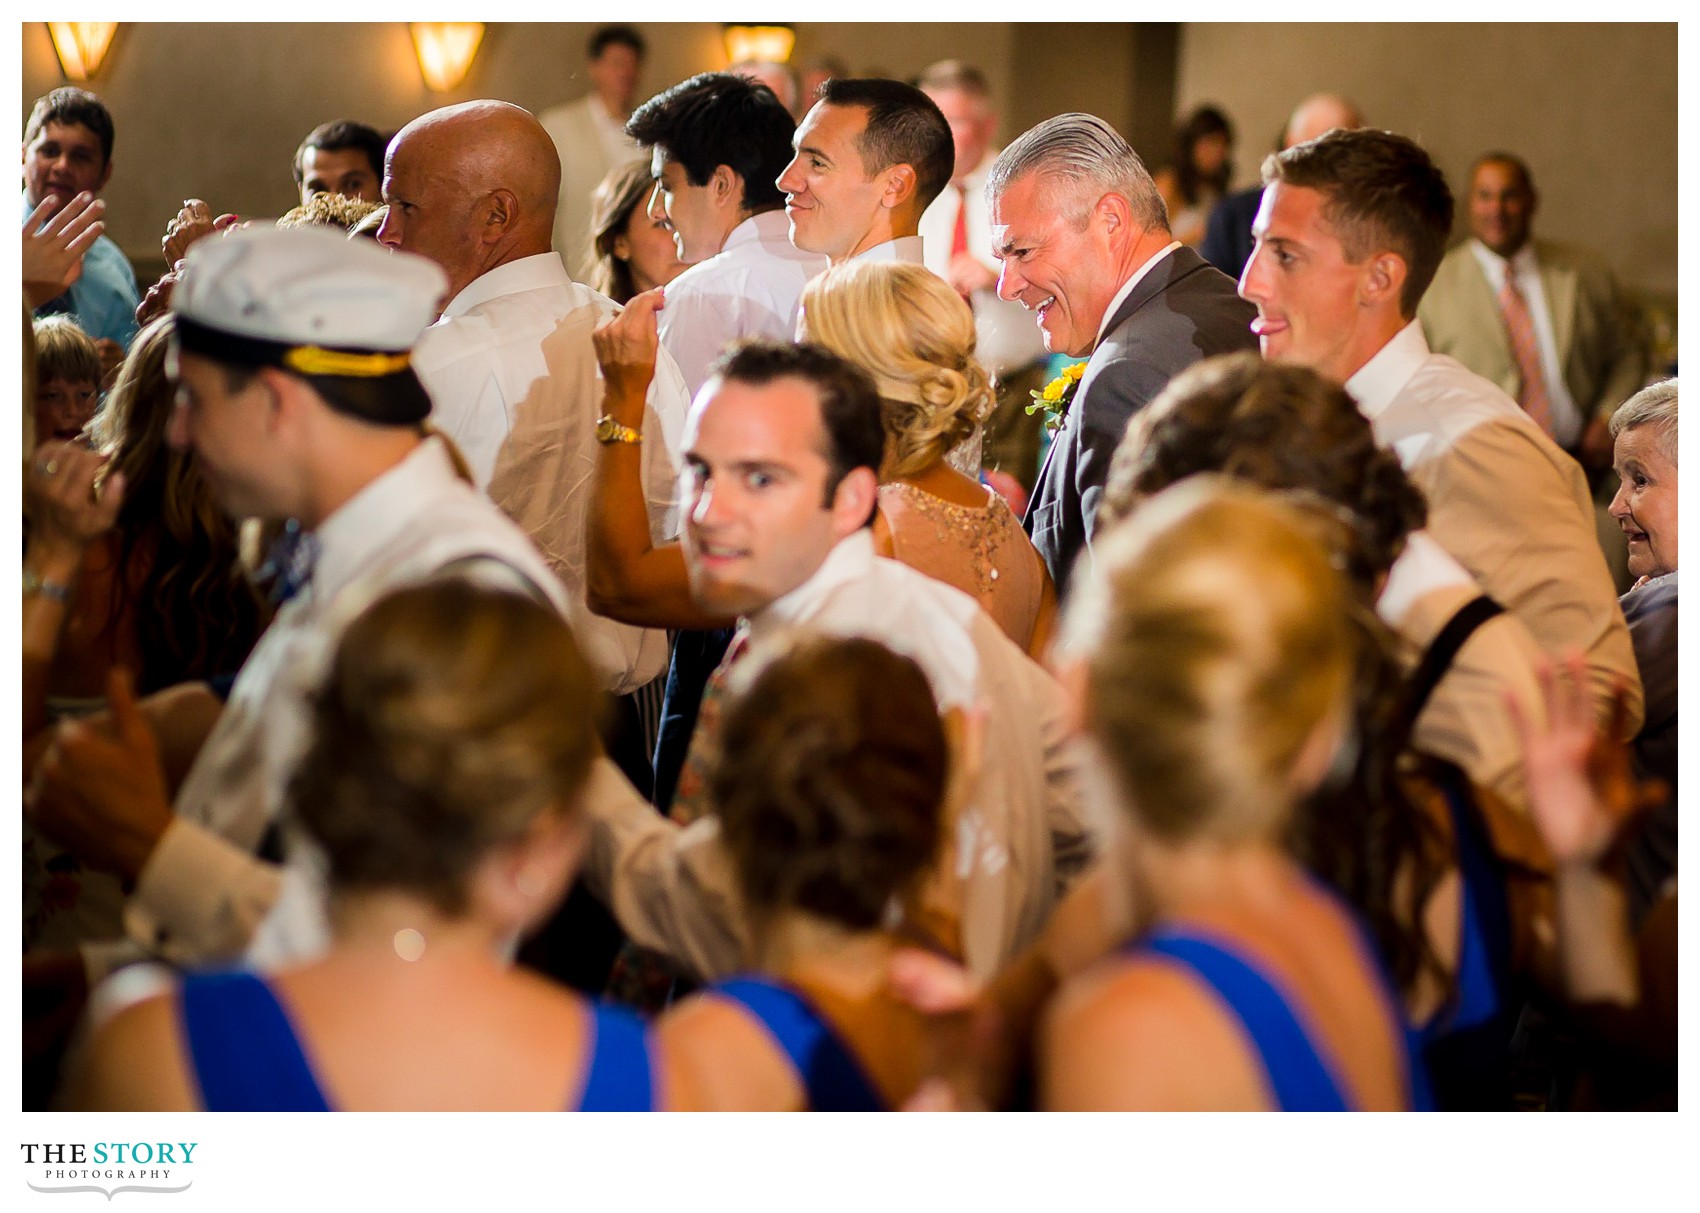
(1210, 657)
(829, 800)
(449, 745)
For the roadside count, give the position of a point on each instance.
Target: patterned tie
(1520, 327)
(691, 800)
(289, 563)
(959, 236)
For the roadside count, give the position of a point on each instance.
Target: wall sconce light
(81, 46)
(758, 43)
(445, 50)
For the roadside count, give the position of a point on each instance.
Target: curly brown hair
(451, 717)
(831, 780)
(1279, 427)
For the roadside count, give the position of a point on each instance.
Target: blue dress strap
(832, 1077)
(1484, 943)
(244, 1050)
(1296, 1072)
(619, 1078)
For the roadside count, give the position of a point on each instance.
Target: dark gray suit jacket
(1182, 311)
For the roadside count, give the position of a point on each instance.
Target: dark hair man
(297, 395)
(716, 143)
(871, 155)
(68, 155)
(782, 449)
(590, 138)
(1349, 234)
(340, 157)
(1547, 322)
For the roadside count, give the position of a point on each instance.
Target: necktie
(289, 563)
(1520, 327)
(959, 236)
(691, 800)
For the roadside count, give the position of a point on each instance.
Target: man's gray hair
(1087, 154)
(1654, 405)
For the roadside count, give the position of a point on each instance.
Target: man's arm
(670, 887)
(1515, 511)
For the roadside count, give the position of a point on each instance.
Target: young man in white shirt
(716, 143)
(782, 448)
(871, 155)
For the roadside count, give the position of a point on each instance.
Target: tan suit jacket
(584, 162)
(1601, 341)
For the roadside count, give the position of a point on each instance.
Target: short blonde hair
(1216, 638)
(915, 337)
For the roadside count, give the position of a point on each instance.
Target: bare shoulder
(134, 1063)
(715, 1057)
(1141, 1035)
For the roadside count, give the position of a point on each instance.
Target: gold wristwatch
(609, 431)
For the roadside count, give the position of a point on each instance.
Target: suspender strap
(1438, 659)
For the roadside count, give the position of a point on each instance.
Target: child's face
(62, 408)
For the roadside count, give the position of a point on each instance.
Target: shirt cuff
(199, 897)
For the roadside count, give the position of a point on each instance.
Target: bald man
(1227, 235)
(509, 365)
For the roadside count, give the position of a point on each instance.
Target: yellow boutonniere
(1057, 395)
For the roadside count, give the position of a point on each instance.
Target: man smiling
(871, 156)
(1085, 245)
(1350, 230)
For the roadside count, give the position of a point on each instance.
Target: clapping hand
(193, 222)
(54, 244)
(627, 346)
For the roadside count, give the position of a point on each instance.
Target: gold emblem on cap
(316, 360)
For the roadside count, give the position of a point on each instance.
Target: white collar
(1520, 264)
(903, 248)
(522, 274)
(363, 525)
(1127, 288)
(762, 226)
(1379, 381)
(850, 560)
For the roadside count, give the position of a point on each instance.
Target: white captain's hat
(311, 301)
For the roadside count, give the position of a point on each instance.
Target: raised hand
(100, 788)
(54, 244)
(193, 222)
(627, 346)
(67, 499)
(1581, 787)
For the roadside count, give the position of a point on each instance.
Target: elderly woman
(1211, 659)
(1643, 434)
(829, 795)
(450, 741)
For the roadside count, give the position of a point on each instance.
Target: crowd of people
(762, 599)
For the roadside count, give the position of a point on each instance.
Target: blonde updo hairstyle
(915, 336)
(1215, 640)
(452, 716)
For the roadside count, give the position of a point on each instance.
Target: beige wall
(216, 110)
(1591, 107)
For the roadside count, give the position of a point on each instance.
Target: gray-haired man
(1084, 240)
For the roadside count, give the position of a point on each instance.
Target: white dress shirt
(1020, 837)
(203, 892)
(750, 288)
(1504, 500)
(514, 381)
(1526, 270)
(907, 249)
(1006, 338)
